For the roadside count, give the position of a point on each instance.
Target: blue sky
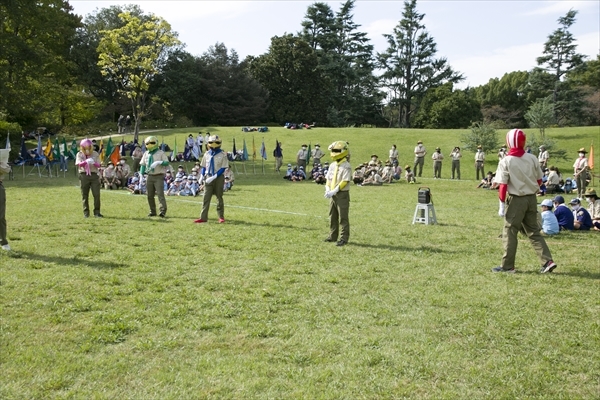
(481, 39)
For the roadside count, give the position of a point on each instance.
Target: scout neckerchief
(335, 172)
(151, 157)
(211, 167)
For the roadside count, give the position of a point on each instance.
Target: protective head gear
(338, 150)
(86, 146)
(214, 142)
(151, 143)
(516, 138)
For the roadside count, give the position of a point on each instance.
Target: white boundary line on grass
(227, 205)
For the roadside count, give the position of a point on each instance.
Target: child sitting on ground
(408, 174)
(549, 221)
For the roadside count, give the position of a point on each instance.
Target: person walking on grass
(214, 163)
(4, 169)
(519, 176)
(154, 163)
(88, 162)
(337, 189)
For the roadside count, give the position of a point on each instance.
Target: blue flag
(263, 150)
(245, 151)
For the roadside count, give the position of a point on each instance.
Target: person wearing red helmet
(519, 176)
(88, 161)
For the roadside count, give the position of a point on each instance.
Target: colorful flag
(245, 151)
(8, 141)
(64, 148)
(24, 153)
(73, 151)
(234, 151)
(174, 153)
(263, 150)
(253, 150)
(48, 150)
(56, 150)
(101, 151)
(591, 160)
(308, 155)
(40, 154)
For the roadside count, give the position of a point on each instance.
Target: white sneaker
(6, 247)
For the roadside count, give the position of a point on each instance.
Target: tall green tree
(214, 88)
(541, 115)
(133, 55)
(445, 108)
(35, 37)
(297, 86)
(346, 58)
(409, 65)
(85, 56)
(505, 100)
(560, 57)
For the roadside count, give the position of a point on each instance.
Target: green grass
(260, 307)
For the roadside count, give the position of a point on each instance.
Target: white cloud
(560, 7)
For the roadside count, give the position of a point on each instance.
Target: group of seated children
(375, 173)
(553, 182)
(556, 216)
(114, 177)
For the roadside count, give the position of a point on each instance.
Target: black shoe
(329, 240)
(151, 215)
(98, 215)
(162, 215)
(548, 267)
(341, 243)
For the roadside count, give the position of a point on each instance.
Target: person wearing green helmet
(155, 163)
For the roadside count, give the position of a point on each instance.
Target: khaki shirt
(220, 161)
(456, 155)
(580, 163)
(520, 174)
(593, 208)
(158, 156)
(437, 156)
(344, 173)
(420, 151)
(480, 156)
(4, 169)
(317, 153)
(80, 157)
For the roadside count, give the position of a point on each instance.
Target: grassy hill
(260, 307)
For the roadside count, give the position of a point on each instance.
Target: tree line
(62, 71)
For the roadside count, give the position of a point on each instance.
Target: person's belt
(478, 160)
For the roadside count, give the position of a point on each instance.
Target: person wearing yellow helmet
(88, 161)
(337, 190)
(155, 162)
(213, 165)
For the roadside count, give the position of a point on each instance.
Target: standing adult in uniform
(278, 154)
(214, 163)
(154, 162)
(337, 189)
(580, 168)
(420, 152)
(4, 169)
(137, 157)
(88, 161)
(519, 177)
(301, 157)
(437, 158)
(543, 157)
(456, 156)
(479, 163)
(393, 154)
(317, 154)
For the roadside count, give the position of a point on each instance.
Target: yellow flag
(48, 150)
(591, 160)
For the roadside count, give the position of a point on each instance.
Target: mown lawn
(259, 307)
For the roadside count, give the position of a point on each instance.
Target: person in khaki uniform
(437, 158)
(155, 163)
(4, 169)
(337, 189)
(137, 157)
(519, 176)
(593, 207)
(214, 163)
(420, 152)
(479, 163)
(88, 161)
(580, 168)
(317, 154)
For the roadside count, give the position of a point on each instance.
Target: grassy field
(129, 307)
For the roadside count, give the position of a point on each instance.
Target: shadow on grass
(400, 248)
(268, 225)
(557, 272)
(97, 264)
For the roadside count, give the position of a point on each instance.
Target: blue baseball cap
(559, 200)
